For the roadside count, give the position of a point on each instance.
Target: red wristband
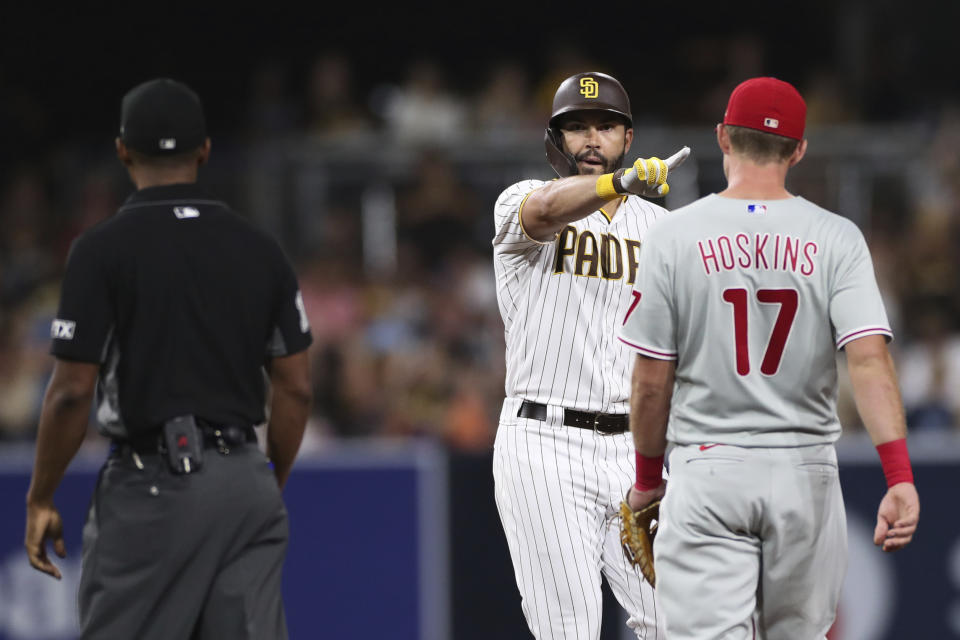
(895, 461)
(649, 472)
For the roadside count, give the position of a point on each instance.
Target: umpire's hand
(44, 522)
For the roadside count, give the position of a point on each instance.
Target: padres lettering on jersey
(562, 301)
(606, 256)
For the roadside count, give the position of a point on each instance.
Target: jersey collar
(180, 191)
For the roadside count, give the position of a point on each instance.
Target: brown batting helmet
(590, 91)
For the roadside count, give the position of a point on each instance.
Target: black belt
(214, 435)
(606, 423)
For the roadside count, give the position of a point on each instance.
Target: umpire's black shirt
(182, 302)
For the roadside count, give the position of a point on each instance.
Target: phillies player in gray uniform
(741, 301)
(565, 255)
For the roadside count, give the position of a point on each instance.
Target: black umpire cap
(162, 117)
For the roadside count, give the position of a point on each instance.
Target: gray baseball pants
(752, 543)
(195, 556)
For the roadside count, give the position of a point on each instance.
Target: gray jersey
(752, 298)
(562, 300)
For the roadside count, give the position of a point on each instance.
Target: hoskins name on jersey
(766, 251)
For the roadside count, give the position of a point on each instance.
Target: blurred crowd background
(377, 164)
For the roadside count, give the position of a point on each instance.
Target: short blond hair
(760, 146)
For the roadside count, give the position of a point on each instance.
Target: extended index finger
(677, 159)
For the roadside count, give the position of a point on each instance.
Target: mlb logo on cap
(767, 104)
(162, 117)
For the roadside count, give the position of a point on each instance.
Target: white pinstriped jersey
(752, 298)
(562, 301)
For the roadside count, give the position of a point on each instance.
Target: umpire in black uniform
(171, 311)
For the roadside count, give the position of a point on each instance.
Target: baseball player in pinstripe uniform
(742, 299)
(566, 255)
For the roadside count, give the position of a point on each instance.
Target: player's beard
(609, 166)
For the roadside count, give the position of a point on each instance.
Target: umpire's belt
(606, 423)
(214, 435)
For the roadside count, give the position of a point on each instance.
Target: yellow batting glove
(651, 176)
(647, 177)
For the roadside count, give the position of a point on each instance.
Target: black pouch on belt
(184, 444)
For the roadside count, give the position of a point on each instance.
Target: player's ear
(627, 139)
(203, 153)
(122, 153)
(723, 138)
(799, 152)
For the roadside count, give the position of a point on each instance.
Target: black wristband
(617, 183)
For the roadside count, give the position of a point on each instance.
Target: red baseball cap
(767, 104)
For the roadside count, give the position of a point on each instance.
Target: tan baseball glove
(637, 531)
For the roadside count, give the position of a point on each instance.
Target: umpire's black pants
(195, 556)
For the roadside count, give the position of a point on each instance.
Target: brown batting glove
(637, 531)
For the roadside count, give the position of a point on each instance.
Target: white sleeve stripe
(860, 333)
(659, 355)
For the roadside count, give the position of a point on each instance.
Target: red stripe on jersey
(863, 332)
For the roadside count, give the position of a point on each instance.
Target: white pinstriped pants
(558, 490)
